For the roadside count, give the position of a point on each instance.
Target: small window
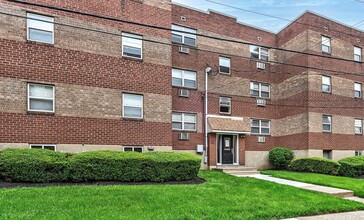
(40, 98)
(357, 54)
(261, 90)
(224, 65)
(184, 78)
(132, 106)
(40, 28)
(326, 123)
(260, 127)
(326, 84)
(358, 126)
(259, 53)
(184, 38)
(132, 45)
(184, 121)
(326, 44)
(134, 149)
(225, 105)
(358, 89)
(43, 146)
(359, 153)
(327, 154)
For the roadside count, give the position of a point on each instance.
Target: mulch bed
(102, 183)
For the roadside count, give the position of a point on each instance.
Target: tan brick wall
(13, 95)
(340, 154)
(340, 124)
(164, 4)
(4, 146)
(297, 43)
(12, 28)
(289, 87)
(290, 125)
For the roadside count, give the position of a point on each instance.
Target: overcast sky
(349, 12)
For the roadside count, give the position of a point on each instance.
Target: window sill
(326, 53)
(226, 74)
(266, 135)
(184, 131)
(223, 113)
(183, 44)
(133, 58)
(132, 119)
(256, 97)
(181, 87)
(40, 113)
(327, 92)
(327, 132)
(40, 43)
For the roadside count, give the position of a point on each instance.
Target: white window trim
(225, 58)
(361, 90)
(260, 126)
(323, 123)
(192, 35)
(134, 37)
(224, 105)
(183, 121)
(259, 90)
(183, 78)
(259, 52)
(51, 145)
(142, 106)
(361, 126)
(48, 99)
(322, 83)
(325, 41)
(39, 20)
(133, 147)
(355, 54)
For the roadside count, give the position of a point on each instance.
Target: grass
(221, 197)
(356, 185)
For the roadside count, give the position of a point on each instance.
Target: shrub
(33, 165)
(280, 157)
(315, 165)
(352, 166)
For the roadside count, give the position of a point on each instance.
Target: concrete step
(234, 168)
(243, 173)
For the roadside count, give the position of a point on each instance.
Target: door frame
(219, 148)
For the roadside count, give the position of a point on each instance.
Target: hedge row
(315, 165)
(352, 166)
(35, 165)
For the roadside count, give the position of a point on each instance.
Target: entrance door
(227, 149)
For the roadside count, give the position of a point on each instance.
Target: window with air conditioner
(133, 149)
(326, 44)
(132, 106)
(326, 84)
(225, 105)
(41, 98)
(259, 53)
(132, 45)
(261, 127)
(224, 65)
(326, 123)
(183, 35)
(183, 121)
(51, 147)
(40, 28)
(357, 54)
(260, 90)
(358, 126)
(357, 90)
(184, 78)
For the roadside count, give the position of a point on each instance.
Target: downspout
(207, 71)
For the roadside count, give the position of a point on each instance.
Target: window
(359, 153)
(40, 28)
(184, 121)
(43, 146)
(135, 149)
(225, 105)
(326, 84)
(260, 127)
(358, 126)
(132, 45)
(326, 123)
(261, 90)
(259, 53)
(184, 38)
(40, 98)
(357, 54)
(183, 78)
(224, 65)
(326, 44)
(132, 106)
(327, 154)
(357, 88)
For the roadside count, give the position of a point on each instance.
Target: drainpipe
(207, 71)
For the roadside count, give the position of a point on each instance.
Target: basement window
(133, 149)
(132, 45)
(359, 153)
(327, 154)
(43, 146)
(40, 98)
(40, 28)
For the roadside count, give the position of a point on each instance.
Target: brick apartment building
(80, 76)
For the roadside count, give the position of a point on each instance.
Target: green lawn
(221, 197)
(356, 185)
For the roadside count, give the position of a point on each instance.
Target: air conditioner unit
(183, 92)
(199, 148)
(260, 66)
(184, 136)
(261, 139)
(261, 102)
(183, 49)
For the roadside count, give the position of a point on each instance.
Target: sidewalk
(338, 216)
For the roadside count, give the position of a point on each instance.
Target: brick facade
(89, 73)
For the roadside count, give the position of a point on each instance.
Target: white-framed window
(225, 105)
(132, 45)
(51, 147)
(326, 44)
(183, 121)
(326, 84)
(40, 28)
(261, 90)
(357, 54)
(326, 123)
(358, 126)
(359, 153)
(139, 149)
(132, 106)
(224, 65)
(259, 53)
(184, 38)
(261, 127)
(184, 78)
(357, 90)
(41, 98)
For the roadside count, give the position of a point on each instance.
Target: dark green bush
(33, 165)
(352, 166)
(315, 165)
(280, 157)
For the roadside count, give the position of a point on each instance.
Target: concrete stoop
(237, 170)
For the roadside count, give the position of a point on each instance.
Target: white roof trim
(227, 132)
(226, 117)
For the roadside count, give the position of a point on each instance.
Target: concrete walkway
(338, 216)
